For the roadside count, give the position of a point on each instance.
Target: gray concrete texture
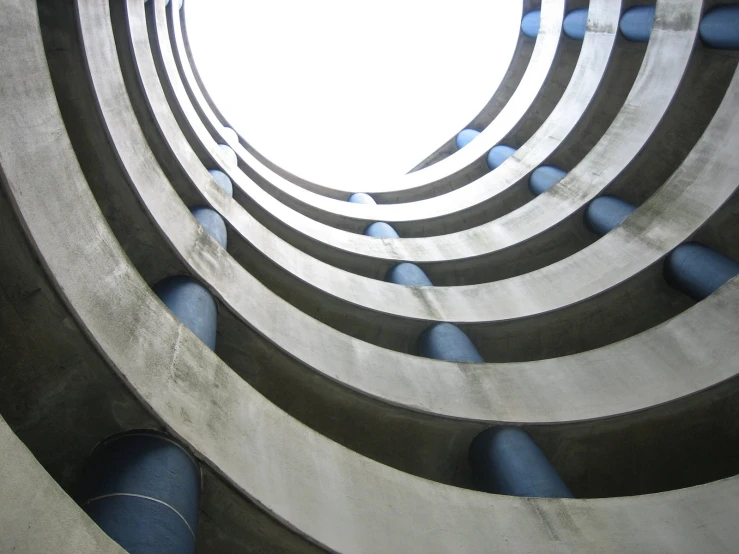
(315, 429)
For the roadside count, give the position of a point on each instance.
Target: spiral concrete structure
(202, 352)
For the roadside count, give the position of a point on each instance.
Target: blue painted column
(545, 177)
(445, 341)
(506, 460)
(230, 133)
(408, 274)
(229, 153)
(530, 23)
(466, 136)
(697, 270)
(143, 489)
(636, 24)
(499, 154)
(222, 181)
(361, 198)
(576, 24)
(193, 304)
(380, 229)
(605, 213)
(720, 27)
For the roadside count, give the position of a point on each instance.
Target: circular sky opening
(334, 91)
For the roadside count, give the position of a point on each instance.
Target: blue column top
(229, 153)
(605, 213)
(361, 198)
(499, 154)
(381, 230)
(445, 341)
(530, 23)
(212, 222)
(720, 27)
(466, 136)
(636, 24)
(545, 177)
(143, 490)
(192, 304)
(222, 181)
(576, 23)
(408, 274)
(508, 461)
(697, 270)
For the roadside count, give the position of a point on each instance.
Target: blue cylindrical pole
(445, 341)
(143, 489)
(636, 24)
(576, 23)
(229, 153)
(605, 213)
(408, 274)
(466, 136)
(697, 270)
(499, 154)
(720, 27)
(212, 222)
(380, 229)
(530, 23)
(506, 460)
(222, 180)
(361, 198)
(193, 304)
(545, 177)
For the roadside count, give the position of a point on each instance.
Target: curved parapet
(262, 365)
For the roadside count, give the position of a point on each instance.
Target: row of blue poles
(142, 487)
(506, 460)
(718, 29)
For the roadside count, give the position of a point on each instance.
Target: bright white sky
(331, 88)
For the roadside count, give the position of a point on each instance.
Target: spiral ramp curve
(527, 344)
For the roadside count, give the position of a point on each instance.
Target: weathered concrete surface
(471, 251)
(233, 275)
(36, 515)
(400, 300)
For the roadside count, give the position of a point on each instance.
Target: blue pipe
(222, 181)
(361, 198)
(193, 304)
(636, 24)
(499, 154)
(408, 274)
(143, 490)
(605, 213)
(720, 27)
(530, 23)
(381, 230)
(466, 136)
(576, 23)
(229, 153)
(445, 341)
(697, 270)
(506, 460)
(212, 222)
(545, 177)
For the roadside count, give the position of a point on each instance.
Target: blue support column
(466, 136)
(361, 198)
(193, 304)
(720, 27)
(212, 222)
(545, 177)
(636, 24)
(576, 23)
(230, 133)
(445, 341)
(143, 490)
(380, 229)
(530, 23)
(222, 180)
(605, 213)
(697, 270)
(408, 274)
(506, 460)
(229, 153)
(499, 154)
